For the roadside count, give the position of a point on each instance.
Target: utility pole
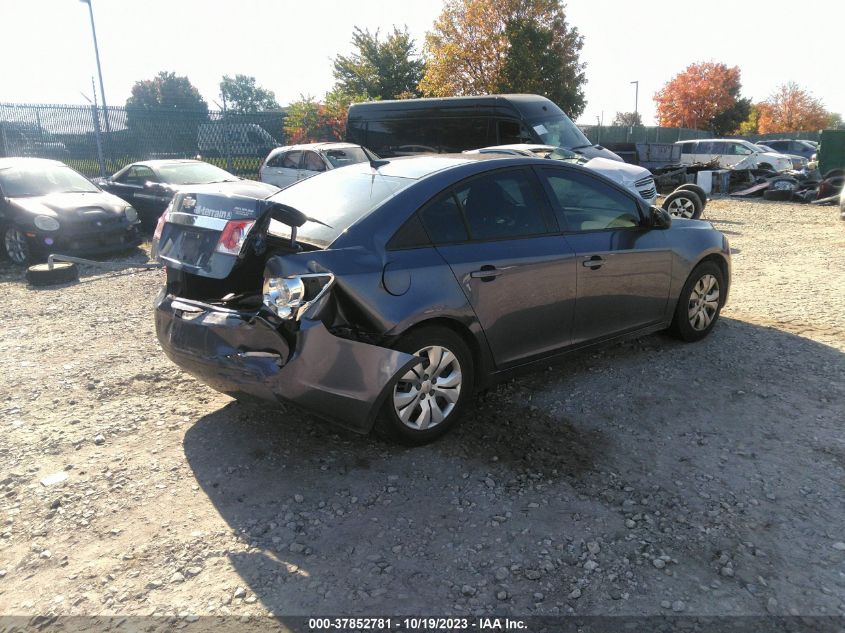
(99, 74)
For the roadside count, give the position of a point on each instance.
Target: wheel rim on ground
(682, 207)
(426, 395)
(703, 302)
(16, 246)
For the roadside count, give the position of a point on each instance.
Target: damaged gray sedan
(384, 294)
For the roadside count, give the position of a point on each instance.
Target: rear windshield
(194, 174)
(41, 180)
(341, 157)
(337, 199)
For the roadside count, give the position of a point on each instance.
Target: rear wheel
(684, 204)
(429, 398)
(700, 303)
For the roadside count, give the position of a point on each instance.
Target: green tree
(379, 69)
(241, 94)
(490, 46)
(730, 120)
(750, 126)
(305, 121)
(164, 113)
(627, 119)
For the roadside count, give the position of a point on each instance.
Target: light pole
(99, 69)
(636, 100)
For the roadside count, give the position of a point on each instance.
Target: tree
(728, 121)
(791, 109)
(389, 69)
(834, 121)
(750, 126)
(166, 90)
(492, 46)
(336, 109)
(305, 121)
(627, 119)
(703, 96)
(241, 94)
(166, 112)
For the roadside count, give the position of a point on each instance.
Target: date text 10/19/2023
(416, 624)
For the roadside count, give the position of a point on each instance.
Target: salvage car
(798, 162)
(792, 146)
(384, 295)
(286, 165)
(47, 207)
(731, 154)
(149, 185)
(637, 179)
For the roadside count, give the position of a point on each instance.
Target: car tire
(698, 310)
(697, 190)
(766, 166)
(778, 195)
(16, 246)
(415, 401)
(684, 204)
(61, 273)
(834, 173)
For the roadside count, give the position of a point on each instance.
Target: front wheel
(684, 204)
(700, 303)
(16, 245)
(429, 398)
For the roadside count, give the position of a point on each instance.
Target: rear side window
(313, 162)
(502, 205)
(291, 160)
(443, 220)
(688, 148)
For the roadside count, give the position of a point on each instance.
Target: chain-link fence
(97, 142)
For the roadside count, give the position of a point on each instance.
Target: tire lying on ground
(62, 273)
(778, 195)
(697, 190)
(684, 204)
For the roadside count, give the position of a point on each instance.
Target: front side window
(512, 132)
(585, 203)
(502, 205)
(291, 160)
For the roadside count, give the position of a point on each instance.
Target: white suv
(287, 165)
(732, 154)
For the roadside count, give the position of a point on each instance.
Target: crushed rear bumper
(244, 355)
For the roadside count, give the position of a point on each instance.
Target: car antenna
(375, 164)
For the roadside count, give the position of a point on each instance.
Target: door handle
(487, 273)
(594, 262)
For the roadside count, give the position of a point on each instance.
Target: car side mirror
(660, 218)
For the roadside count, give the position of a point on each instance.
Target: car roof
(417, 167)
(15, 161)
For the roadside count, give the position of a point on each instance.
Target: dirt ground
(647, 477)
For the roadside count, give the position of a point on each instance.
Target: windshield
(336, 198)
(341, 157)
(559, 131)
(566, 155)
(41, 180)
(194, 174)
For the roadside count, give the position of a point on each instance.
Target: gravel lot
(648, 477)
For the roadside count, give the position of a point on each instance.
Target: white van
(731, 154)
(234, 139)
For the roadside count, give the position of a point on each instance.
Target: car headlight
(283, 295)
(131, 214)
(46, 223)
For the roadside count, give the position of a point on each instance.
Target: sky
(48, 54)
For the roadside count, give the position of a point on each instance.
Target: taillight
(160, 224)
(233, 236)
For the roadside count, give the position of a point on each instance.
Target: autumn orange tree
(495, 46)
(791, 109)
(704, 96)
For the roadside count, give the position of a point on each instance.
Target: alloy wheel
(16, 247)
(682, 207)
(703, 302)
(426, 395)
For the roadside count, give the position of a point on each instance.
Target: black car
(149, 185)
(386, 293)
(47, 207)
